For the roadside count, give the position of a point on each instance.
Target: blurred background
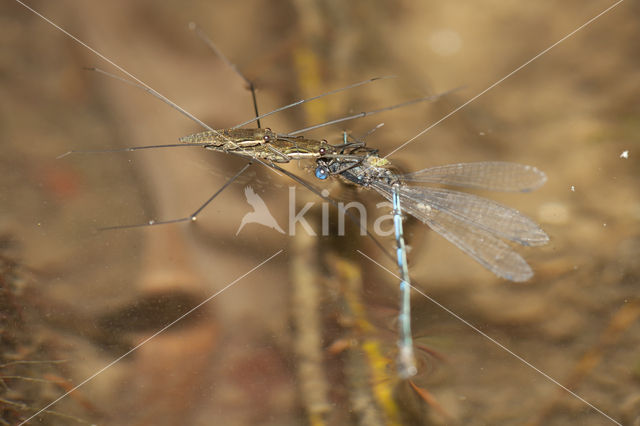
(309, 337)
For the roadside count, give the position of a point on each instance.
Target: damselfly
(474, 224)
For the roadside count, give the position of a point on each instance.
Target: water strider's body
(263, 144)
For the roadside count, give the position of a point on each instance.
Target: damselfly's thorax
(361, 171)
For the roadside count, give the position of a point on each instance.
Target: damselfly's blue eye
(322, 172)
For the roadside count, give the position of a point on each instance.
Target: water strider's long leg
(369, 113)
(313, 98)
(192, 217)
